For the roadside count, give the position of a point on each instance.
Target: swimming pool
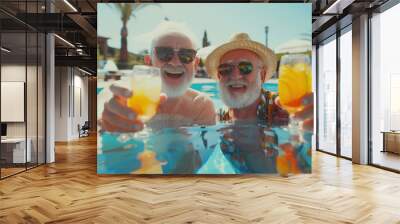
(223, 148)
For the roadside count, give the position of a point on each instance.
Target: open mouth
(237, 88)
(174, 75)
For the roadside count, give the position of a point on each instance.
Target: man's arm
(206, 110)
(117, 116)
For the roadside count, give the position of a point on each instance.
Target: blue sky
(286, 22)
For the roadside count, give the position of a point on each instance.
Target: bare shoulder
(204, 107)
(199, 98)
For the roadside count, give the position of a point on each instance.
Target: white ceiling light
(338, 6)
(70, 5)
(65, 41)
(5, 50)
(86, 72)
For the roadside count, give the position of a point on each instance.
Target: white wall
(10, 73)
(71, 93)
(33, 126)
(61, 103)
(81, 102)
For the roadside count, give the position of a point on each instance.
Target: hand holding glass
(146, 87)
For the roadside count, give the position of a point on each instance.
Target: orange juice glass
(146, 88)
(294, 81)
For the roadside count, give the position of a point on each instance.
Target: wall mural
(204, 88)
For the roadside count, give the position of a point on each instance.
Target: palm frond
(128, 10)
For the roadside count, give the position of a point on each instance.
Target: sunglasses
(166, 54)
(226, 69)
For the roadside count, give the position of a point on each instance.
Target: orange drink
(294, 81)
(146, 88)
(149, 163)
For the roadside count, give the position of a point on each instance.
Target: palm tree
(206, 43)
(127, 11)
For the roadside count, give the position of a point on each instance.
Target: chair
(84, 130)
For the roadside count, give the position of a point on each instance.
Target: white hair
(167, 27)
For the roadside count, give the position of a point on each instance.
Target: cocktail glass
(146, 88)
(294, 83)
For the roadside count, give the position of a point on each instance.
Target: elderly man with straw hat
(241, 66)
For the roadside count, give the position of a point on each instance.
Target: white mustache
(236, 82)
(173, 69)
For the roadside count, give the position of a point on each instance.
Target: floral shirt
(267, 112)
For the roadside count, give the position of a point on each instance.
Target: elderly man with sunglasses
(174, 53)
(241, 66)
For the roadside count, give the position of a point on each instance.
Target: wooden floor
(5, 172)
(387, 159)
(10, 171)
(70, 191)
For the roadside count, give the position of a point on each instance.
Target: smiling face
(176, 76)
(240, 90)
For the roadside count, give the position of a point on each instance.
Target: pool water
(99, 90)
(223, 148)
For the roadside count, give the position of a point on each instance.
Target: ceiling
(330, 15)
(77, 22)
(76, 25)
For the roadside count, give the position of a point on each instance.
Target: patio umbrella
(294, 46)
(110, 66)
(205, 51)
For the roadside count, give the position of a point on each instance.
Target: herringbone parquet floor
(70, 191)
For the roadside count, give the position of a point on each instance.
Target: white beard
(252, 93)
(173, 92)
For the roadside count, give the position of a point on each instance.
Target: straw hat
(241, 41)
